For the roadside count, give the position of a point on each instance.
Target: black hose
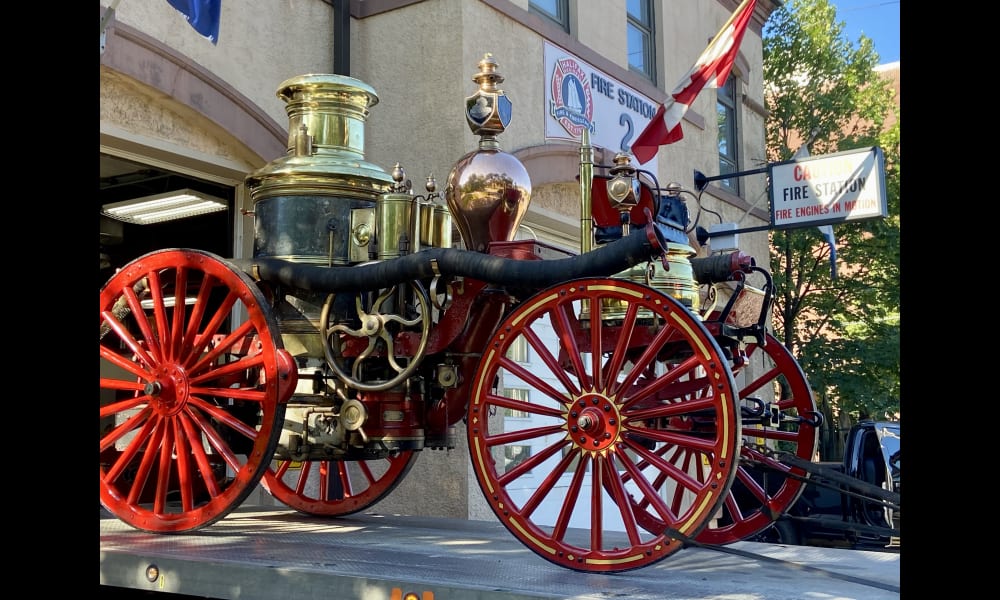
(720, 267)
(607, 260)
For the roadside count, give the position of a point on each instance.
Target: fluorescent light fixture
(178, 204)
(168, 302)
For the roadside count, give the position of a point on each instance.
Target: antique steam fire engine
(610, 416)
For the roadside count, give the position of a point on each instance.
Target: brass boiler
(316, 203)
(303, 201)
(323, 204)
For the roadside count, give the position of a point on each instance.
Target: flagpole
(728, 22)
(710, 69)
(107, 14)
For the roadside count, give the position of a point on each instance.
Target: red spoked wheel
(602, 443)
(779, 413)
(193, 389)
(336, 488)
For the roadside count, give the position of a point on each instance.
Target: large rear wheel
(603, 425)
(193, 386)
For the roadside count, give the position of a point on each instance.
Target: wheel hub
(594, 422)
(372, 325)
(169, 391)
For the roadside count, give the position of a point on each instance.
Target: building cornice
(152, 63)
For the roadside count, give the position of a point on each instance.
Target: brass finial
(488, 77)
(623, 162)
(488, 190)
(401, 185)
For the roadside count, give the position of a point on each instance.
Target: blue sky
(877, 19)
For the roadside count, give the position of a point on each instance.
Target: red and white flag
(711, 70)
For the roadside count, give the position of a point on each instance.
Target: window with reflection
(556, 11)
(518, 350)
(514, 455)
(521, 394)
(641, 46)
(726, 114)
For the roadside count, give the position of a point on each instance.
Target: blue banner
(203, 15)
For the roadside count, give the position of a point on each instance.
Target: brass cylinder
(586, 192)
(678, 282)
(427, 225)
(435, 226)
(392, 215)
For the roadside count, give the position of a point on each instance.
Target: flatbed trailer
(269, 553)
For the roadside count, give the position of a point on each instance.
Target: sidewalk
(265, 553)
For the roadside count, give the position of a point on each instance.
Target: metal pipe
(586, 189)
(342, 37)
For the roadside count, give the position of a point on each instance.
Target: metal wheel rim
(169, 456)
(589, 543)
(306, 486)
(759, 495)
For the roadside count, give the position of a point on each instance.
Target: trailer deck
(267, 553)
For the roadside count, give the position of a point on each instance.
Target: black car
(859, 511)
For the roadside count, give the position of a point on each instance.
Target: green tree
(824, 91)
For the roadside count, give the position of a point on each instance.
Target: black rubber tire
(780, 532)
